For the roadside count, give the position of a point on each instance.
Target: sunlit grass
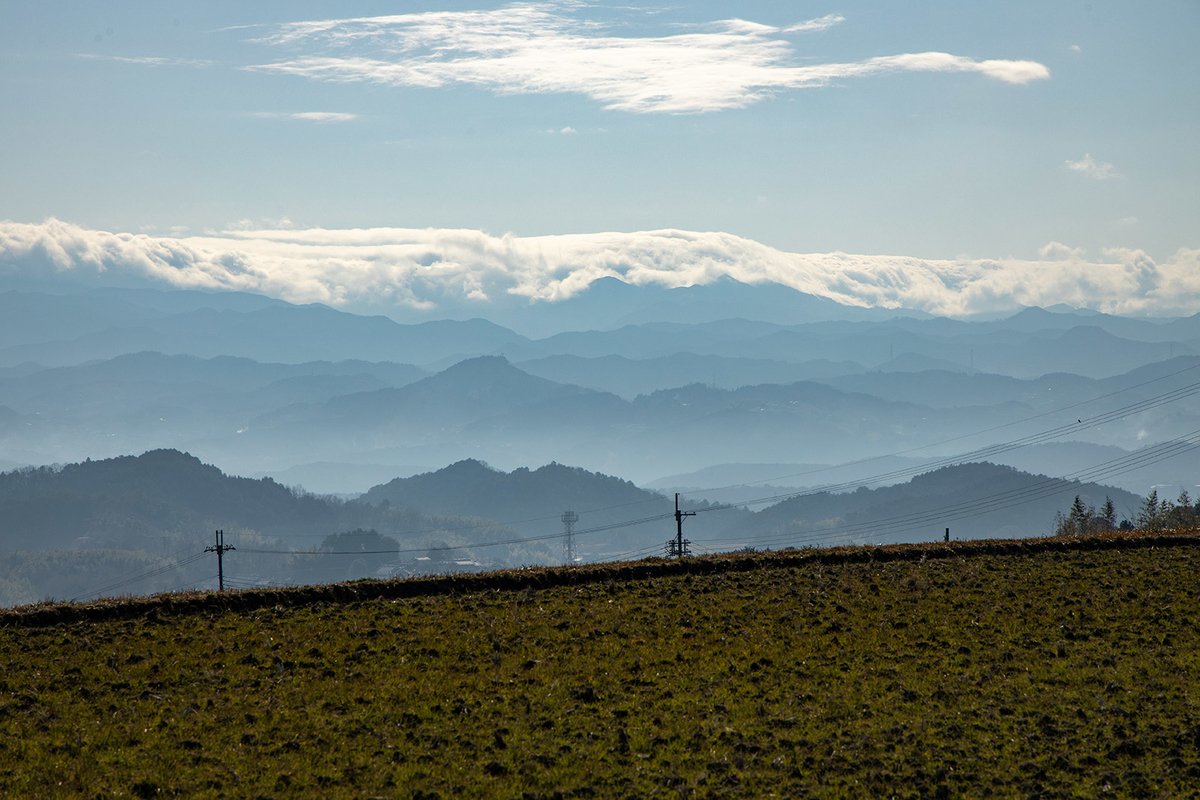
(1066, 674)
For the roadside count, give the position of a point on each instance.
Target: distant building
(424, 565)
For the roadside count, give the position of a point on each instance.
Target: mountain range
(339, 425)
(827, 423)
(61, 330)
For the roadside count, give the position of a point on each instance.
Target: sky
(969, 156)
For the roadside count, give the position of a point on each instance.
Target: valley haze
(413, 285)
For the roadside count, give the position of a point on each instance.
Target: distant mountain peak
(478, 362)
(491, 372)
(467, 465)
(472, 488)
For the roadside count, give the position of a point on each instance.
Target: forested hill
(634, 521)
(979, 500)
(140, 524)
(472, 488)
(125, 501)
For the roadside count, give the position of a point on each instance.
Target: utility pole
(220, 549)
(569, 518)
(679, 547)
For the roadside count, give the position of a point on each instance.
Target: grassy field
(1055, 673)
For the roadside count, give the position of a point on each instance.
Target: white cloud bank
(438, 268)
(538, 48)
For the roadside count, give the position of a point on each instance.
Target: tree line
(1154, 514)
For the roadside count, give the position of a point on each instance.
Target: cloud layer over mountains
(396, 269)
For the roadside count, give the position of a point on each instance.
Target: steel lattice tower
(569, 518)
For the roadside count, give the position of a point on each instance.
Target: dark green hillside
(136, 502)
(474, 489)
(1057, 669)
(951, 497)
(129, 498)
(532, 501)
(94, 527)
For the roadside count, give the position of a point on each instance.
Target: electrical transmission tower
(569, 518)
(679, 547)
(220, 548)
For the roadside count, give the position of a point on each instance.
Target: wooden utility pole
(678, 547)
(220, 549)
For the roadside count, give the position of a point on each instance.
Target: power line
(906, 522)
(190, 585)
(990, 503)
(977, 455)
(1188, 390)
(987, 504)
(123, 582)
(471, 546)
(1113, 467)
(502, 524)
(961, 510)
(132, 572)
(996, 449)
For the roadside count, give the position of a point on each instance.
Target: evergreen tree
(1150, 515)
(1108, 515)
(1183, 515)
(1081, 517)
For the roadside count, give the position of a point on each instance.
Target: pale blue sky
(902, 161)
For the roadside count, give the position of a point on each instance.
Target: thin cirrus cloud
(448, 271)
(151, 61)
(308, 116)
(537, 48)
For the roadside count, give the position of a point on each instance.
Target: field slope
(1048, 667)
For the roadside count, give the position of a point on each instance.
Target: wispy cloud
(449, 270)
(1088, 166)
(827, 21)
(152, 61)
(538, 48)
(310, 116)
